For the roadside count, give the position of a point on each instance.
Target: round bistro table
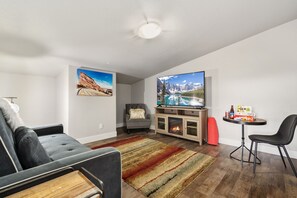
(257, 121)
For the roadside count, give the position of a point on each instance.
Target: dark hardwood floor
(225, 177)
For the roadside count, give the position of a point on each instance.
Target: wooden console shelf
(185, 123)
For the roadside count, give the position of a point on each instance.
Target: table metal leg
(242, 143)
(242, 146)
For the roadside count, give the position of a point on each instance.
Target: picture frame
(94, 83)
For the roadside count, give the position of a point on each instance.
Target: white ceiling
(43, 36)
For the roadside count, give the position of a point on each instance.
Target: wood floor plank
(227, 183)
(225, 177)
(290, 185)
(242, 186)
(191, 194)
(211, 182)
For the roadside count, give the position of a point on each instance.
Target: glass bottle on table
(231, 112)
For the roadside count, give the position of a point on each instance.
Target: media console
(185, 123)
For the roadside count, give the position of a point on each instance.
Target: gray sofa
(63, 151)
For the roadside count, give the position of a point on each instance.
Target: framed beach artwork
(93, 83)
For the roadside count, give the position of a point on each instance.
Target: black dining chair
(283, 137)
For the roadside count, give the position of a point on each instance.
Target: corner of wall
(90, 116)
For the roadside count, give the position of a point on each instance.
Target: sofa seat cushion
(59, 146)
(140, 121)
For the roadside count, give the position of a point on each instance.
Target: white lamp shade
(149, 30)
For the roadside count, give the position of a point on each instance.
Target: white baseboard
(266, 148)
(94, 138)
(120, 125)
(229, 142)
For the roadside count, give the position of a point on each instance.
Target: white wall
(87, 112)
(137, 92)
(123, 98)
(260, 71)
(36, 96)
(62, 86)
(50, 100)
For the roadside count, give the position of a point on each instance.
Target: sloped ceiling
(42, 37)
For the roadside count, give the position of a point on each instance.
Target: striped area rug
(156, 169)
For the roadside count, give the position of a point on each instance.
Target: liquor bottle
(231, 112)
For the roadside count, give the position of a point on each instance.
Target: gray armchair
(137, 123)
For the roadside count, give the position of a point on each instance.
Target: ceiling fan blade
(133, 37)
(145, 17)
(167, 31)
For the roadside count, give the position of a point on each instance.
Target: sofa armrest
(104, 163)
(48, 130)
(127, 117)
(147, 116)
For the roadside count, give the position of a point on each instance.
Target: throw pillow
(137, 114)
(12, 117)
(7, 164)
(29, 150)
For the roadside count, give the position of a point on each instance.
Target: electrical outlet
(101, 126)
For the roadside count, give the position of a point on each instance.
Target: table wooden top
(73, 184)
(257, 121)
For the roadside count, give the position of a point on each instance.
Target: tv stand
(187, 123)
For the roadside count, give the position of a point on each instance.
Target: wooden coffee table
(73, 184)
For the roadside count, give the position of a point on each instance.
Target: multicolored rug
(157, 169)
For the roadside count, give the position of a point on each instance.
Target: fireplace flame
(176, 128)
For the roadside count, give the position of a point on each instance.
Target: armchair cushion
(137, 114)
(29, 150)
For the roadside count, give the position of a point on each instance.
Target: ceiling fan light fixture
(149, 30)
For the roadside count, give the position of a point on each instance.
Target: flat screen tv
(184, 90)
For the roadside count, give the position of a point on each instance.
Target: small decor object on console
(93, 83)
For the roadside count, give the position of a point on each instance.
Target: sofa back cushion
(7, 149)
(8, 167)
(30, 151)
